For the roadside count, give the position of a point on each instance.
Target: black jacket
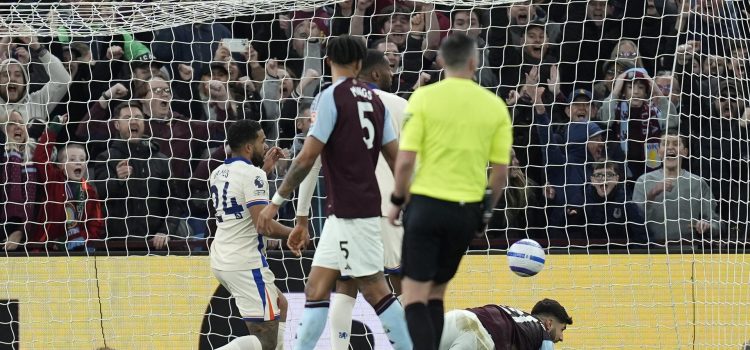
(138, 205)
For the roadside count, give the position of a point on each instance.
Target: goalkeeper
(503, 327)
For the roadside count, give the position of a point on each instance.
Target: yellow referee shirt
(456, 127)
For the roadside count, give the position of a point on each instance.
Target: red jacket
(52, 214)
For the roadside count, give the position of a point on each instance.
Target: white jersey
(236, 186)
(396, 106)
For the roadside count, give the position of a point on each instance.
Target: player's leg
(420, 260)
(464, 331)
(392, 237)
(323, 275)
(342, 306)
(248, 342)
(363, 259)
(283, 308)
(256, 298)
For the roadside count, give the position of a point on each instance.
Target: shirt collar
(237, 159)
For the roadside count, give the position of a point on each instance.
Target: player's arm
(301, 166)
(389, 142)
(275, 230)
(305, 193)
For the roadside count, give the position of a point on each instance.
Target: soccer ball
(526, 258)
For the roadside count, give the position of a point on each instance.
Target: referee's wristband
(277, 199)
(397, 201)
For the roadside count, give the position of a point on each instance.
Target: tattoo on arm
(266, 332)
(297, 172)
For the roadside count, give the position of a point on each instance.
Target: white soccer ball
(526, 258)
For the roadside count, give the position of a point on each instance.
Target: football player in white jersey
(376, 73)
(239, 191)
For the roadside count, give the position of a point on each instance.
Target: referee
(455, 127)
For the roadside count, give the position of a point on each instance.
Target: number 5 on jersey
(362, 108)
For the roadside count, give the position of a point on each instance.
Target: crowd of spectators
(630, 117)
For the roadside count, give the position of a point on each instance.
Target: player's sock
(437, 314)
(392, 317)
(248, 342)
(312, 324)
(280, 336)
(342, 307)
(420, 326)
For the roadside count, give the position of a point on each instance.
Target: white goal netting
(631, 160)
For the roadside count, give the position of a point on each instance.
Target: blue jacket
(615, 217)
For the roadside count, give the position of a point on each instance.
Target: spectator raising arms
(71, 212)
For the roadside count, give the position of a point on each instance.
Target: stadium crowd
(630, 117)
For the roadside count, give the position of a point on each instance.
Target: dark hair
(127, 104)
(604, 165)
(457, 50)
(549, 307)
(242, 132)
(374, 60)
(303, 105)
(345, 49)
(470, 10)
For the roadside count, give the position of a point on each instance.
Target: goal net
(630, 163)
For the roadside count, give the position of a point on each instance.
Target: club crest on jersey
(259, 182)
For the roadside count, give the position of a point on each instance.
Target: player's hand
(265, 218)
(298, 239)
(159, 241)
(394, 215)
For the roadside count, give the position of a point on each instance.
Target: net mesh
(630, 160)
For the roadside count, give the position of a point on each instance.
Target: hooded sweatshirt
(38, 104)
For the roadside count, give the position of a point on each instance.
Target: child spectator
(18, 183)
(71, 212)
(610, 215)
(676, 204)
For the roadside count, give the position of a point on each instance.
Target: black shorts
(436, 236)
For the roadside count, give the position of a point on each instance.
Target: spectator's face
(670, 151)
(142, 74)
(651, 8)
(396, 27)
(635, 92)
(604, 180)
(303, 121)
(73, 162)
(627, 50)
(466, 22)
(15, 129)
(303, 31)
(669, 87)
(596, 10)
(534, 43)
(595, 146)
(728, 107)
(739, 68)
(159, 97)
(579, 109)
(390, 50)
(12, 83)
(287, 84)
(130, 124)
(520, 13)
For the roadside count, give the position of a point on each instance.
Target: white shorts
(253, 291)
(392, 238)
(462, 330)
(352, 246)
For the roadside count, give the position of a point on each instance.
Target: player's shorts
(392, 237)
(253, 291)
(352, 246)
(436, 236)
(462, 330)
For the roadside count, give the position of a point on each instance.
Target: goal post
(631, 162)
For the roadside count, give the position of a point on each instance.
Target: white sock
(248, 342)
(342, 307)
(280, 336)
